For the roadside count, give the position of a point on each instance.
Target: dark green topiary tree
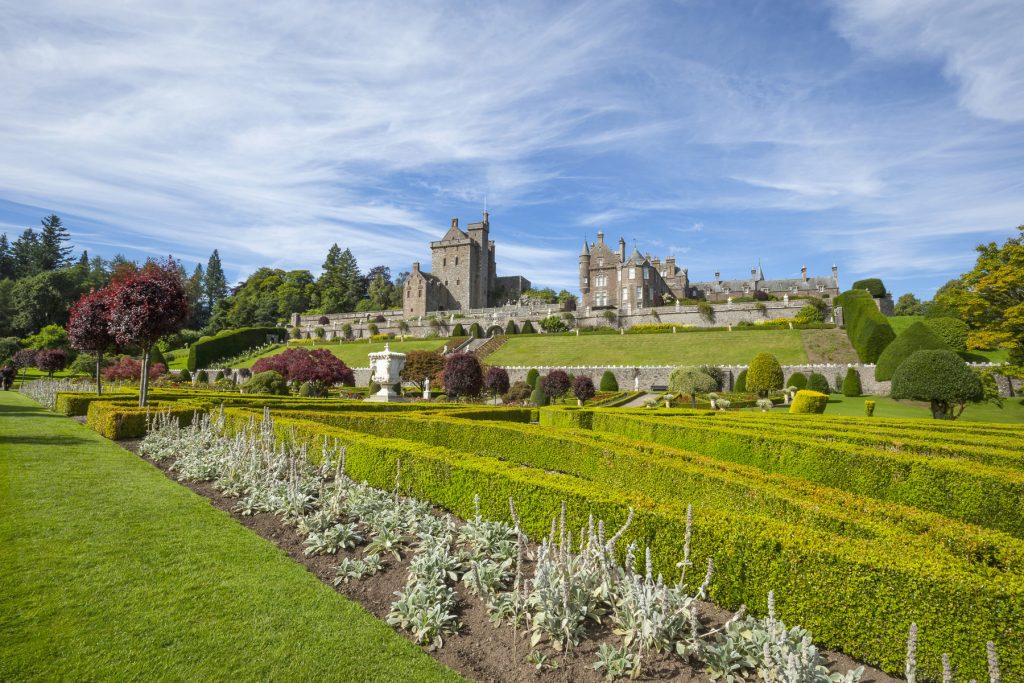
(538, 397)
(764, 374)
(528, 328)
(608, 381)
(851, 384)
(476, 331)
(950, 330)
(940, 377)
(202, 377)
(741, 381)
(219, 376)
(798, 380)
(872, 284)
(531, 377)
(917, 337)
(458, 330)
(510, 327)
(185, 376)
(818, 382)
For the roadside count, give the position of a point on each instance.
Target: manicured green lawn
(110, 571)
(684, 348)
(354, 353)
(1012, 410)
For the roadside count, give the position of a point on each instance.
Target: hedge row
(208, 350)
(858, 602)
(867, 328)
(119, 421)
(964, 490)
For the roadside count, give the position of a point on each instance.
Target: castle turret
(585, 273)
(803, 273)
(622, 250)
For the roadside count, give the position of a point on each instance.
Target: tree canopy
(992, 299)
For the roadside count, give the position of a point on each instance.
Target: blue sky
(884, 135)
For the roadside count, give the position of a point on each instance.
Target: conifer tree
(215, 285)
(7, 270)
(53, 250)
(26, 252)
(340, 285)
(196, 301)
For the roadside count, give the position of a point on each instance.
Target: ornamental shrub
(716, 373)
(528, 328)
(608, 381)
(51, 360)
(798, 380)
(555, 384)
(458, 330)
(202, 377)
(869, 408)
(302, 365)
(185, 376)
(553, 324)
(868, 330)
(818, 382)
(496, 381)
(463, 375)
(320, 333)
(517, 393)
(476, 331)
(915, 338)
(691, 381)
(764, 374)
(807, 401)
(538, 397)
(873, 285)
(706, 311)
(219, 376)
(268, 382)
(583, 388)
(940, 377)
(313, 390)
(950, 330)
(372, 329)
(510, 327)
(851, 384)
(741, 381)
(531, 377)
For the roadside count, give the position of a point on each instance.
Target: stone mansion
(610, 280)
(462, 276)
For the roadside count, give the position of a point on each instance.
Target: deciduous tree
(992, 302)
(940, 377)
(462, 375)
(496, 381)
(89, 328)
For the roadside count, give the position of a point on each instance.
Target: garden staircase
(487, 346)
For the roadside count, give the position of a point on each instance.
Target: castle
(610, 280)
(463, 274)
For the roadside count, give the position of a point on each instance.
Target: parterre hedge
(867, 328)
(209, 350)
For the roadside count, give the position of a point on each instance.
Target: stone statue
(444, 351)
(729, 301)
(785, 298)
(636, 383)
(426, 388)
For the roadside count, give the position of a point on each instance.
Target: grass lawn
(354, 353)
(113, 572)
(1012, 410)
(684, 348)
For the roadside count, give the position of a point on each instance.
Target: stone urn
(385, 369)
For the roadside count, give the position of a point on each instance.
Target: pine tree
(195, 298)
(215, 285)
(340, 285)
(26, 254)
(53, 252)
(7, 269)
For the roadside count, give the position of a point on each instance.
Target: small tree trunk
(940, 410)
(99, 379)
(144, 381)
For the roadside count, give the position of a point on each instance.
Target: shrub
(940, 377)
(851, 384)
(372, 328)
(312, 390)
(421, 364)
(798, 380)
(185, 376)
(538, 397)
(741, 381)
(915, 338)
(476, 331)
(463, 375)
(128, 369)
(553, 324)
(531, 377)
(555, 384)
(517, 393)
(867, 328)
(583, 389)
(807, 401)
(245, 373)
(51, 360)
(496, 381)
(608, 381)
(764, 374)
(230, 343)
(528, 328)
(386, 336)
(346, 330)
(319, 333)
(303, 365)
(219, 376)
(8, 347)
(818, 382)
(691, 381)
(85, 364)
(510, 327)
(950, 330)
(458, 330)
(869, 408)
(202, 377)
(706, 311)
(873, 285)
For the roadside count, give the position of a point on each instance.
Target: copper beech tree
(146, 306)
(89, 328)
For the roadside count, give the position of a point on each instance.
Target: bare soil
(479, 651)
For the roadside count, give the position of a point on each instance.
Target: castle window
(600, 262)
(444, 262)
(625, 294)
(640, 294)
(586, 280)
(632, 273)
(456, 261)
(647, 273)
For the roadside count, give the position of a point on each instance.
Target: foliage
(706, 311)
(267, 382)
(538, 397)
(129, 369)
(532, 376)
(608, 381)
(741, 381)
(555, 384)
(867, 328)
(25, 358)
(764, 374)
(869, 408)
(908, 304)
(510, 327)
(815, 311)
(992, 299)
(458, 330)
(463, 375)
(583, 388)
(873, 285)
(851, 383)
(798, 380)
(51, 360)
(185, 375)
(818, 382)
(808, 401)
(517, 393)
(341, 286)
(940, 377)
(302, 365)
(88, 323)
(946, 302)
(691, 381)
(49, 337)
(476, 331)
(202, 377)
(496, 381)
(953, 331)
(915, 338)
(420, 365)
(553, 324)
(527, 328)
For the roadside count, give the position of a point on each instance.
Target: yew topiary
(458, 330)
(510, 327)
(764, 374)
(940, 377)
(798, 380)
(608, 381)
(538, 397)
(528, 328)
(818, 382)
(950, 330)
(691, 381)
(917, 337)
(807, 401)
(741, 381)
(531, 377)
(851, 384)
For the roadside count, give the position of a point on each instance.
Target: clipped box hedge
(119, 421)
(848, 595)
(207, 351)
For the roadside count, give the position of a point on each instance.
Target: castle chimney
(718, 278)
(600, 237)
(803, 273)
(415, 266)
(622, 249)
(487, 218)
(753, 274)
(835, 272)
(455, 222)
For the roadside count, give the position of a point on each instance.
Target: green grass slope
(113, 572)
(354, 354)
